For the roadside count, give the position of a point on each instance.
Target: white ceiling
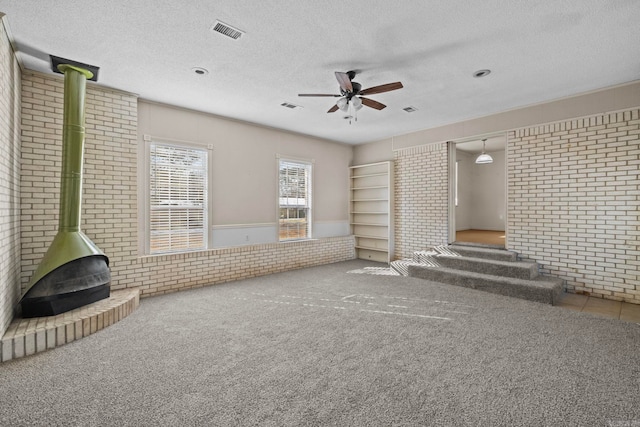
(537, 51)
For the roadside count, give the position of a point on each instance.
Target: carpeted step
(480, 252)
(541, 289)
(515, 269)
(401, 266)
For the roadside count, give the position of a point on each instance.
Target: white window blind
(295, 200)
(177, 199)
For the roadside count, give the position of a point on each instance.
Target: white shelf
(373, 187)
(368, 175)
(372, 200)
(364, 236)
(369, 248)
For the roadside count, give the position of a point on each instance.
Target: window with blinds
(177, 199)
(294, 200)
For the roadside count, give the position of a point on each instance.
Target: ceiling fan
(351, 93)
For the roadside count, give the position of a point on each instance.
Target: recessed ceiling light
(481, 73)
(200, 71)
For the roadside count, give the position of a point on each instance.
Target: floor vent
(227, 30)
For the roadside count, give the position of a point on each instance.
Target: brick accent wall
(9, 180)
(109, 212)
(421, 198)
(574, 200)
(109, 188)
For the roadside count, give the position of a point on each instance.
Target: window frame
(146, 190)
(308, 165)
(457, 188)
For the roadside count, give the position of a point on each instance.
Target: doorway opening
(478, 193)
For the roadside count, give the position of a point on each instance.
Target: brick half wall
(169, 273)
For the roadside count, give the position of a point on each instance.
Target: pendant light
(484, 158)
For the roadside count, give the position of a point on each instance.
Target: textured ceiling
(537, 51)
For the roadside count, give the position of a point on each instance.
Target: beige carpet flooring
(324, 347)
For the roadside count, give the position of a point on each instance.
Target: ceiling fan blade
(318, 94)
(373, 104)
(382, 88)
(333, 109)
(345, 81)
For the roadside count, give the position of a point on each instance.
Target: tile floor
(601, 307)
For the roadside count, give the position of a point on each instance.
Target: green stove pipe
(70, 243)
(75, 80)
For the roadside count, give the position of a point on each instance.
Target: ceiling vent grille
(410, 109)
(290, 105)
(227, 30)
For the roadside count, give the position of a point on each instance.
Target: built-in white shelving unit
(371, 210)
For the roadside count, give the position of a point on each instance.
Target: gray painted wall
(244, 189)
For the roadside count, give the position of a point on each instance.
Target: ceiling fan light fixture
(348, 102)
(343, 103)
(484, 158)
(356, 102)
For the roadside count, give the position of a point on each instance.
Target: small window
(177, 220)
(294, 200)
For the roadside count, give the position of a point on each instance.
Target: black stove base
(61, 303)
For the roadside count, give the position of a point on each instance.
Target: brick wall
(163, 274)
(109, 213)
(109, 189)
(421, 198)
(9, 180)
(574, 199)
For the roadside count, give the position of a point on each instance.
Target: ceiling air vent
(227, 30)
(289, 105)
(410, 109)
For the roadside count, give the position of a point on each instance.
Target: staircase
(486, 269)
